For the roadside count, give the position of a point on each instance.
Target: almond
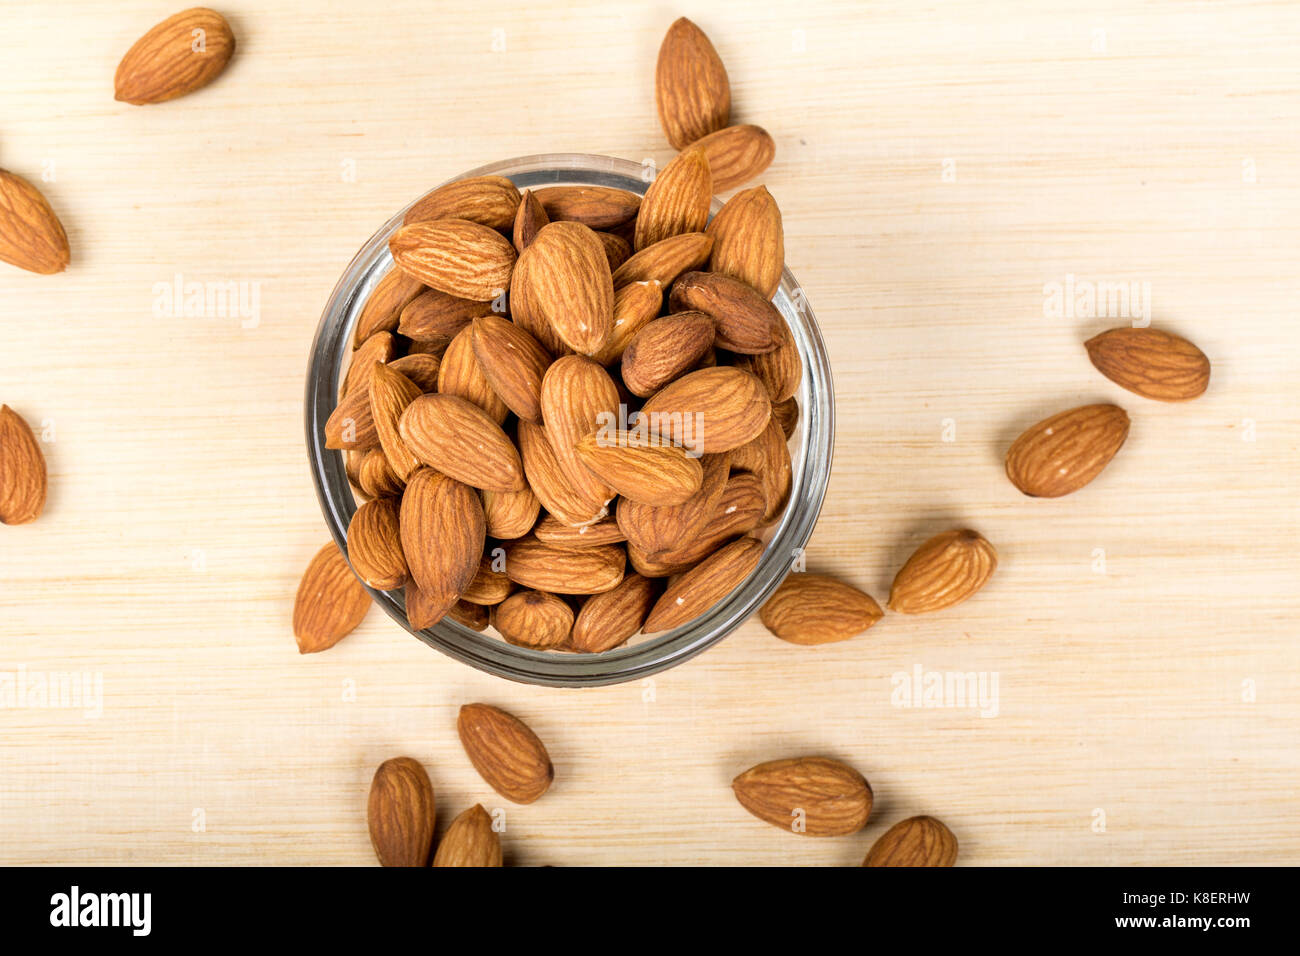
(525, 311)
(749, 241)
(768, 458)
(456, 256)
(709, 411)
(331, 602)
(434, 316)
(635, 306)
(375, 546)
(401, 812)
(657, 528)
(665, 260)
(469, 841)
(677, 201)
(426, 608)
(488, 200)
(510, 514)
(737, 154)
(692, 92)
(390, 394)
(442, 533)
(780, 370)
(596, 207)
(513, 363)
(376, 477)
(649, 472)
(488, 586)
(739, 511)
(567, 284)
(617, 249)
(551, 530)
(564, 570)
(351, 426)
(548, 481)
(421, 370)
(702, 587)
(380, 348)
(608, 619)
(474, 616)
(578, 397)
(23, 477)
(461, 374)
(504, 750)
(178, 56)
(458, 438)
(745, 321)
(818, 609)
(664, 350)
(944, 571)
(529, 220)
(1063, 453)
(916, 841)
(787, 414)
(815, 796)
(383, 309)
(533, 619)
(1151, 363)
(31, 236)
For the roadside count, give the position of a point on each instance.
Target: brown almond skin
(462, 258)
(709, 411)
(529, 220)
(787, 414)
(442, 533)
(577, 397)
(749, 240)
(780, 370)
(551, 530)
(434, 316)
(510, 514)
(659, 528)
(383, 309)
(330, 603)
(391, 393)
(944, 571)
(664, 350)
(835, 799)
(617, 249)
(596, 207)
(461, 374)
(561, 499)
(420, 369)
(607, 620)
(533, 619)
(818, 609)
(375, 476)
(1061, 454)
(510, 758)
(31, 236)
(379, 348)
(1151, 363)
(746, 322)
(639, 471)
(677, 201)
(424, 609)
(739, 511)
(23, 477)
(916, 841)
(635, 306)
(164, 64)
(458, 438)
(351, 426)
(488, 200)
(541, 566)
(664, 261)
(568, 284)
(700, 588)
(514, 363)
(692, 92)
(401, 811)
(768, 458)
(474, 616)
(375, 546)
(488, 586)
(737, 154)
(470, 841)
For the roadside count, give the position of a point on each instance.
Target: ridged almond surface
(513, 362)
(746, 322)
(737, 154)
(185, 52)
(390, 394)
(658, 528)
(692, 92)
(780, 370)
(1151, 363)
(434, 316)
(635, 306)
(469, 841)
(916, 841)
(815, 796)
(331, 602)
(677, 201)
(31, 236)
(568, 285)
(578, 397)
(818, 609)
(380, 347)
(488, 200)
(473, 616)
(749, 240)
(525, 312)
(510, 514)
(461, 374)
(420, 369)
(700, 588)
(711, 410)
(544, 567)
(617, 249)
(462, 258)
(944, 571)
(664, 350)
(597, 207)
(443, 532)
(488, 586)
(738, 511)
(376, 477)
(529, 220)
(666, 260)
(23, 476)
(383, 309)
(768, 458)
(548, 481)
(1063, 453)
(787, 414)
(608, 619)
(401, 811)
(551, 530)
(533, 619)
(649, 472)
(458, 438)
(426, 608)
(375, 545)
(510, 758)
(351, 426)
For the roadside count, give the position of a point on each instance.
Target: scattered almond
(504, 750)
(31, 236)
(23, 478)
(818, 609)
(815, 796)
(737, 154)
(401, 812)
(184, 53)
(692, 92)
(916, 841)
(469, 841)
(1063, 453)
(331, 602)
(1151, 363)
(944, 571)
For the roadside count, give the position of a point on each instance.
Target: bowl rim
(332, 345)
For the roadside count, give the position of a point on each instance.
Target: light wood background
(937, 165)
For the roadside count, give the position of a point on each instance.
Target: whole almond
(489, 586)
(597, 207)
(548, 481)
(544, 567)
(749, 240)
(375, 476)
(510, 514)
(379, 348)
(737, 154)
(818, 609)
(474, 616)
(638, 470)
(331, 602)
(700, 588)
(692, 92)
(401, 813)
(31, 236)
(383, 309)
(944, 571)
(567, 283)
(677, 201)
(509, 757)
(664, 261)
(787, 414)
(351, 426)
(664, 350)
(469, 841)
(533, 619)
(551, 530)
(442, 533)
(711, 410)
(578, 397)
(375, 546)
(424, 609)
(1151, 363)
(746, 322)
(434, 316)
(513, 363)
(390, 394)
(780, 370)
(739, 511)
(617, 249)
(488, 200)
(526, 313)
(23, 477)
(529, 220)
(459, 439)
(815, 796)
(768, 458)
(1063, 453)
(608, 619)
(916, 841)
(185, 52)
(635, 306)
(658, 528)
(462, 258)
(421, 370)
(461, 374)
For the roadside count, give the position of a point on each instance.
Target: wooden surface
(937, 166)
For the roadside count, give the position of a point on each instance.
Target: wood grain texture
(936, 167)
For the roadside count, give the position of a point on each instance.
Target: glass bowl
(810, 453)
